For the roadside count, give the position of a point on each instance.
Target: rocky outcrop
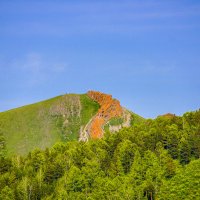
(67, 106)
(126, 122)
(109, 108)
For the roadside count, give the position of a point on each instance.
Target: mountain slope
(63, 118)
(44, 123)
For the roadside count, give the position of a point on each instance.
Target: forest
(154, 159)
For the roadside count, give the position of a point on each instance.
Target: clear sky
(144, 53)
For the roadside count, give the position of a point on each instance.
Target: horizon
(143, 53)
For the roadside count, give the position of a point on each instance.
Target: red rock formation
(109, 108)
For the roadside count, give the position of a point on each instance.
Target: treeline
(156, 159)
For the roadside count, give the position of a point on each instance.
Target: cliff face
(109, 108)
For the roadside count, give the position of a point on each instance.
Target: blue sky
(144, 53)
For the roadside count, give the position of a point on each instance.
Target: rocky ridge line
(109, 108)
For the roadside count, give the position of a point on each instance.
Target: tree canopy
(154, 159)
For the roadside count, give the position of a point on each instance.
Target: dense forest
(154, 159)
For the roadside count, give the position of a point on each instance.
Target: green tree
(125, 156)
(184, 151)
(7, 194)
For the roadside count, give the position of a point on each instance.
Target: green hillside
(44, 123)
(58, 119)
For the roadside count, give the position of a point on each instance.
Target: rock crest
(109, 108)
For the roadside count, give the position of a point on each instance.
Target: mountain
(145, 159)
(63, 118)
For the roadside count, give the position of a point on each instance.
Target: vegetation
(154, 159)
(45, 123)
(135, 119)
(116, 121)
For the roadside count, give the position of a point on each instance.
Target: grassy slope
(33, 126)
(135, 118)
